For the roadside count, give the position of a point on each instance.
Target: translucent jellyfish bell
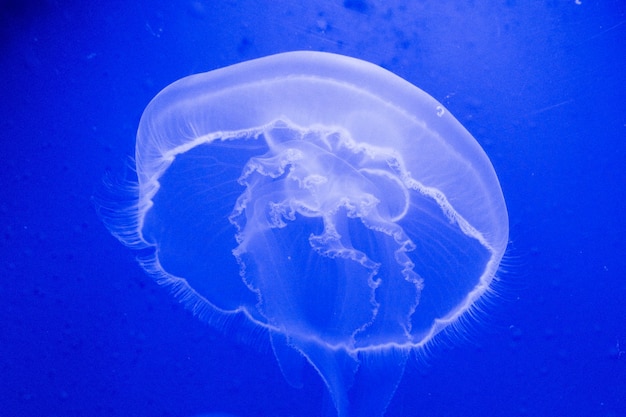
(322, 200)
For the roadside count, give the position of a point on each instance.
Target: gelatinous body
(322, 200)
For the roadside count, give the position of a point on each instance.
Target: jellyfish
(319, 202)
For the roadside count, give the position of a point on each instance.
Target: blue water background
(541, 85)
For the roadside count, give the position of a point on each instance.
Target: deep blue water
(542, 87)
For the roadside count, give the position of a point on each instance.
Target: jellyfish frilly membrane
(357, 218)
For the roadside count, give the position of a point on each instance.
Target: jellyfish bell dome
(323, 201)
